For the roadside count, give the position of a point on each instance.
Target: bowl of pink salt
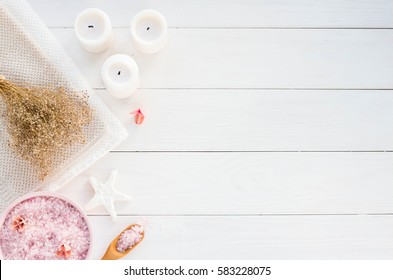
(44, 226)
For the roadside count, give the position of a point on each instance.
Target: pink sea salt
(51, 223)
(129, 238)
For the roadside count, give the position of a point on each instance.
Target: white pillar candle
(120, 75)
(93, 29)
(149, 31)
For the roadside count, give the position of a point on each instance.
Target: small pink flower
(139, 116)
(18, 223)
(64, 251)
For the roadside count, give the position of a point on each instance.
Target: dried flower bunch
(42, 122)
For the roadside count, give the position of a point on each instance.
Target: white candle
(120, 75)
(93, 29)
(149, 31)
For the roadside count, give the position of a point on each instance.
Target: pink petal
(139, 116)
(64, 250)
(18, 223)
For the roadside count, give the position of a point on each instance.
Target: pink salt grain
(129, 238)
(52, 222)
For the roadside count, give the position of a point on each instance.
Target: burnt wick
(90, 26)
(148, 28)
(118, 73)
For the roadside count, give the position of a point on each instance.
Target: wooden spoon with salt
(113, 254)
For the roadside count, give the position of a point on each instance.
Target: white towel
(30, 54)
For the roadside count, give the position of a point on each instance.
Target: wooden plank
(284, 237)
(257, 120)
(244, 183)
(252, 58)
(230, 13)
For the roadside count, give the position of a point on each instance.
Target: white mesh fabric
(30, 54)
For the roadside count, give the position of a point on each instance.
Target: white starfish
(106, 195)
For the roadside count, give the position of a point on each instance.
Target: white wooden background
(268, 131)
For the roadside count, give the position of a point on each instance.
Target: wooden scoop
(112, 253)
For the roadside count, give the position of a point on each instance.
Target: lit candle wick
(91, 26)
